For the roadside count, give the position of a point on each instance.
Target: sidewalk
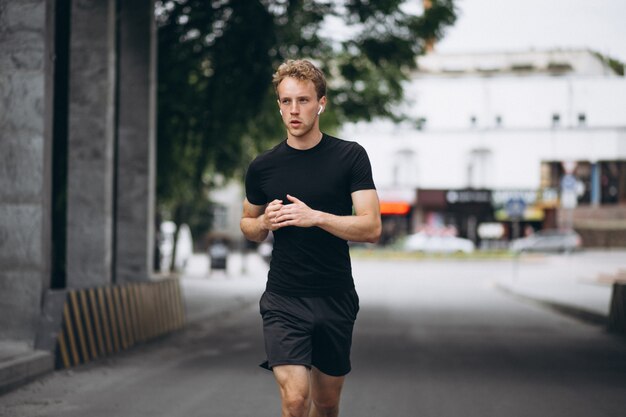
(574, 289)
(227, 291)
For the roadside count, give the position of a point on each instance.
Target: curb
(578, 313)
(24, 368)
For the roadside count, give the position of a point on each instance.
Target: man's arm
(255, 221)
(363, 226)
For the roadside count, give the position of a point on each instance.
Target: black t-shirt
(310, 262)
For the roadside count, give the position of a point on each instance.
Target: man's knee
(296, 404)
(293, 381)
(326, 408)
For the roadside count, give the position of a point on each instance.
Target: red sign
(394, 207)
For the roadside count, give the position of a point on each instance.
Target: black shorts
(309, 331)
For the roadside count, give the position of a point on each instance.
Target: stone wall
(24, 164)
(108, 92)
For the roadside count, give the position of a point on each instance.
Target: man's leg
(325, 394)
(294, 384)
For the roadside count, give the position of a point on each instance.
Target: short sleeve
(361, 171)
(254, 193)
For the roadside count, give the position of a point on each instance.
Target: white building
(510, 125)
(227, 206)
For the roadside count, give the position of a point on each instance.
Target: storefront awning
(394, 208)
(397, 202)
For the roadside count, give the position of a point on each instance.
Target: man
(304, 191)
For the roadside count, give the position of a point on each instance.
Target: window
(479, 168)
(557, 68)
(498, 121)
(556, 120)
(582, 119)
(522, 67)
(612, 182)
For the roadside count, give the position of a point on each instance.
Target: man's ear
(322, 101)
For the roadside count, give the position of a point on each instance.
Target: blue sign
(515, 207)
(568, 182)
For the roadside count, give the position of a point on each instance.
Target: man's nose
(295, 108)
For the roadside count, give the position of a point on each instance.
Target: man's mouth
(295, 122)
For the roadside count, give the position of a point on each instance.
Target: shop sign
(501, 197)
(521, 204)
(468, 196)
(549, 197)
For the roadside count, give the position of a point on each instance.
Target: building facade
(545, 130)
(77, 126)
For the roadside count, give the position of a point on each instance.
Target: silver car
(548, 240)
(423, 242)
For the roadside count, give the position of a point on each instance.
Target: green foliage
(216, 105)
(616, 65)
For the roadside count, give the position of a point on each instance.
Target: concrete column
(25, 156)
(92, 81)
(136, 141)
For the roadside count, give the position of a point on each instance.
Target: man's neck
(308, 141)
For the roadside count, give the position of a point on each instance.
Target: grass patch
(399, 255)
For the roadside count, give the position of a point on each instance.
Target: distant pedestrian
(314, 192)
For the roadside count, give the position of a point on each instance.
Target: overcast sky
(511, 25)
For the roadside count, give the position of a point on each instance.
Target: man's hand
(272, 211)
(295, 214)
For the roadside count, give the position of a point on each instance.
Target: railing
(98, 322)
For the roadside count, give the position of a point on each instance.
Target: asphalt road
(433, 338)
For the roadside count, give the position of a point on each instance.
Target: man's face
(299, 105)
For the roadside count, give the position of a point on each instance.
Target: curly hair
(301, 69)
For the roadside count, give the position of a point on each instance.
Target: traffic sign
(569, 183)
(515, 207)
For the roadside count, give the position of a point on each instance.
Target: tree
(615, 64)
(216, 105)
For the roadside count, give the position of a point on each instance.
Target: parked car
(548, 240)
(423, 242)
(218, 255)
